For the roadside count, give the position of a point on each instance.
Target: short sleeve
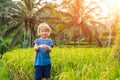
(35, 42)
(51, 43)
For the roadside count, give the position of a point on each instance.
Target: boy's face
(44, 33)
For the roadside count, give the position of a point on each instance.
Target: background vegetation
(73, 22)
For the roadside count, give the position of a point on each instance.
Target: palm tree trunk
(110, 37)
(30, 36)
(99, 41)
(78, 36)
(24, 42)
(74, 39)
(58, 40)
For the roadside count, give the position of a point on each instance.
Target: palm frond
(42, 9)
(14, 38)
(9, 31)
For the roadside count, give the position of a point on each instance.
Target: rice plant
(67, 64)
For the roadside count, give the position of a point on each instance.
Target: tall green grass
(67, 64)
(4, 73)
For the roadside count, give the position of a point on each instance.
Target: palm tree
(4, 22)
(4, 12)
(86, 16)
(27, 14)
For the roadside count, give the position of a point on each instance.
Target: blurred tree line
(72, 22)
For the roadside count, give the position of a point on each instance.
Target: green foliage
(3, 72)
(3, 46)
(116, 49)
(26, 15)
(67, 64)
(20, 65)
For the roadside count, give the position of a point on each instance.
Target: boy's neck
(43, 38)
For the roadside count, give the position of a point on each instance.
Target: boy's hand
(48, 48)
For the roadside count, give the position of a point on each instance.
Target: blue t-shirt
(42, 56)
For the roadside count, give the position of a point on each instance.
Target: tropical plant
(4, 23)
(3, 46)
(27, 14)
(67, 64)
(86, 16)
(4, 10)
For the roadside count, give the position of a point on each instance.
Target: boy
(42, 46)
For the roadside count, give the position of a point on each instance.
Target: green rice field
(67, 64)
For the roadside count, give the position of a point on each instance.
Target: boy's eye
(44, 31)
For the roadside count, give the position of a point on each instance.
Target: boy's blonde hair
(43, 26)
